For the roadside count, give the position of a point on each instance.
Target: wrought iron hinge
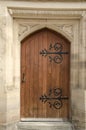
(57, 51)
(54, 98)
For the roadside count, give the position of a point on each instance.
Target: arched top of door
(51, 28)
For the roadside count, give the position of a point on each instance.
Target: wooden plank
(53, 85)
(28, 72)
(31, 77)
(44, 45)
(36, 76)
(23, 70)
(40, 89)
(49, 73)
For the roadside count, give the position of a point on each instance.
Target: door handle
(23, 78)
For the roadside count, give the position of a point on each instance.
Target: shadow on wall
(78, 108)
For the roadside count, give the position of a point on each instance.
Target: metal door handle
(23, 77)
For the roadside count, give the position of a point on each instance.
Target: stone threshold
(43, 125)
(44, 120)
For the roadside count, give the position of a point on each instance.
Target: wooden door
(45, 66)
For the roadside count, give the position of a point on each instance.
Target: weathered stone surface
(45, 126)
(33, 16)
(11, 126)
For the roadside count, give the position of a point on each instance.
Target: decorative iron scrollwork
(57, 50)
(54, 98)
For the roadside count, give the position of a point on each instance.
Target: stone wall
(16, 22)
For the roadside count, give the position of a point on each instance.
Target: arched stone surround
(69, 29)
(22, 22)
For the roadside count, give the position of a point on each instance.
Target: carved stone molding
(22, 29)
(46, 13)
(65, 28)
(26, 28)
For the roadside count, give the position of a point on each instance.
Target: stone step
(45, 126)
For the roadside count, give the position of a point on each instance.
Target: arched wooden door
(45, 66)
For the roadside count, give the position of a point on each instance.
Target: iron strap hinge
(57, 50)
(45, 52)
(54, 98)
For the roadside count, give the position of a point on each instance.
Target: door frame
(69, 38)
(69, 28)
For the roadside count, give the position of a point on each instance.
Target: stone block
(11, 126)
(45, 126)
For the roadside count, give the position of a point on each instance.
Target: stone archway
(67, 30)
(25, 30)
(63, 29)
